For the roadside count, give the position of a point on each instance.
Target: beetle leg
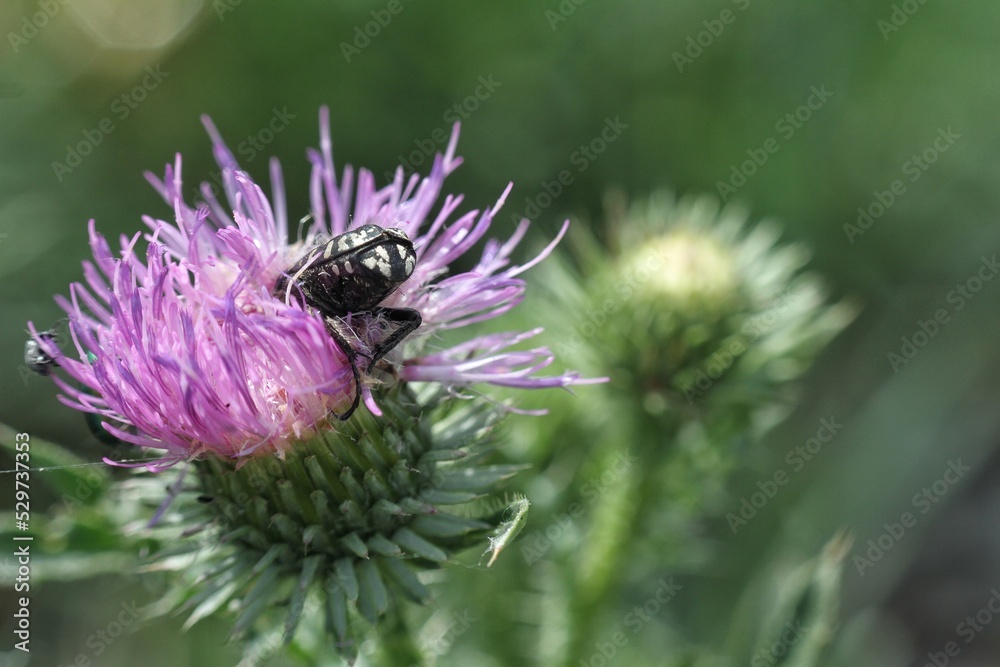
(352, 358)
(408, 320)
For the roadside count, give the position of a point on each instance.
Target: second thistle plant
(703, 323)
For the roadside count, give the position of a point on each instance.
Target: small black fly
(352, 274)
(37, 359)
(42, 363)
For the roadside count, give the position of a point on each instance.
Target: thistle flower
(193, 350)
(188, 350)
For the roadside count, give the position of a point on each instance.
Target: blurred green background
(534, 82)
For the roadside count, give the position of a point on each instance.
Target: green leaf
(508, 530)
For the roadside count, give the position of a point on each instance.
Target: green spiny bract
(345, 522)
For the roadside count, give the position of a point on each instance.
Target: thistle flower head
(189, 348)
(232, 347)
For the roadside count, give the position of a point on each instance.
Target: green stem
(600, 560)
(616, 513)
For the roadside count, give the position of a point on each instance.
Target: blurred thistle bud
(694, 308)
(702, 322)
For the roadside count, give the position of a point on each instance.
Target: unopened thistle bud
(695, 306)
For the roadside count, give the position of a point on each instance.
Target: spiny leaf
(508, 530)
